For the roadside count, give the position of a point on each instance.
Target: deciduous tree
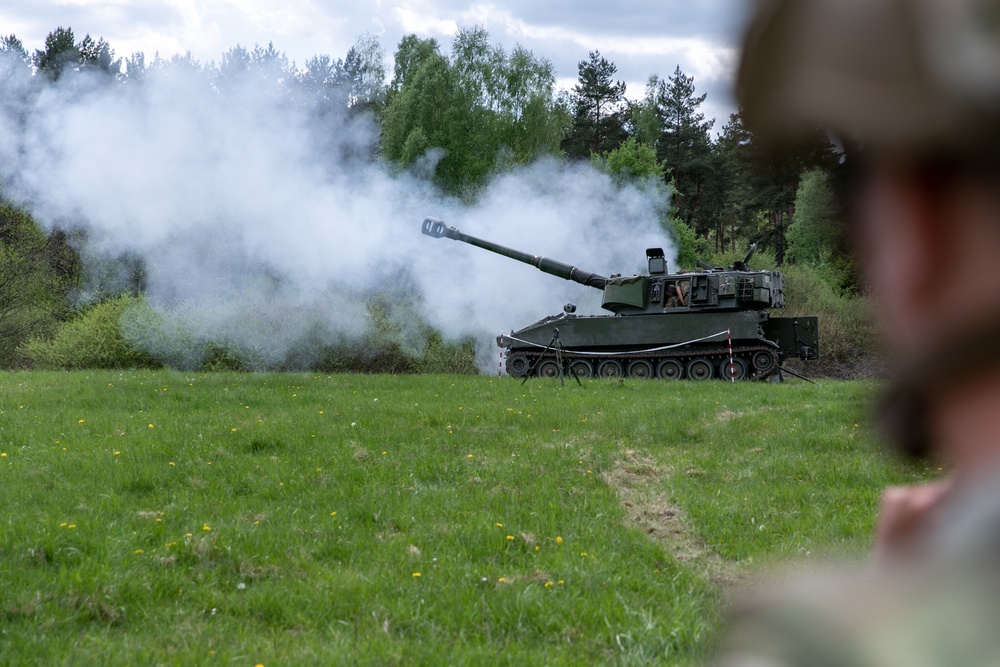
(763, 186)
(481, 110)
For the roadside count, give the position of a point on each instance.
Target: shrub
(690, 247)
(369, 355)
(92, 339)
(849, 341)
(125, 332)
(454, 358)
(36, 273)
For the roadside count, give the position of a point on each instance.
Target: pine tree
(598, 107)
(60, 52)
(669, 118)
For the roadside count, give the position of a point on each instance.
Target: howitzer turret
(702, 324)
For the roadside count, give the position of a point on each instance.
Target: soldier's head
(911, 90)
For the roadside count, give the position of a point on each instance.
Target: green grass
(165, 518)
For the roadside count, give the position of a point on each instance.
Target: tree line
(458, 117)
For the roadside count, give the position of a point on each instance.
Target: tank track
(750, 361)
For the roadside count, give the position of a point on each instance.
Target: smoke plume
(265, 222)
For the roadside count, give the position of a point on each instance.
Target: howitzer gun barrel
(437, 229)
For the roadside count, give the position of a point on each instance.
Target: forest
(455, 117)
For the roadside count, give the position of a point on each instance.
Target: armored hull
(670, 346)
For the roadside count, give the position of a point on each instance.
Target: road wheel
(581, 368)
(610, 368)
(518, 365)
(700, 369)
(738, 370)
(670, 369)
(763, 362)
(548, 369)
(640, 368)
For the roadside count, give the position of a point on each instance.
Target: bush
(453, 358)
(690, 247)
(36, 273)
(364, 356)
(399, 341)
(850, 344)
(92, 339)
(371, 355)
(125, 332)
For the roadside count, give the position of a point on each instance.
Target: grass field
(237, 519)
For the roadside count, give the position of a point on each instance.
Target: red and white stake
(500, 367)
(732, 367)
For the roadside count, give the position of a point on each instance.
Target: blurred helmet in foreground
(891, 74)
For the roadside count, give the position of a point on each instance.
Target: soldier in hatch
(678, 293)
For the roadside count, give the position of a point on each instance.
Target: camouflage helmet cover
(890, 73)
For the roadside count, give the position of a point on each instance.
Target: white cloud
(419, 23)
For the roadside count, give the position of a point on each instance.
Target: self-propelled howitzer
(697, 325)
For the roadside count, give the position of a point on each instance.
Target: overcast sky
(641, 37)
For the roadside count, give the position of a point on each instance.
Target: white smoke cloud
(246, 207)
